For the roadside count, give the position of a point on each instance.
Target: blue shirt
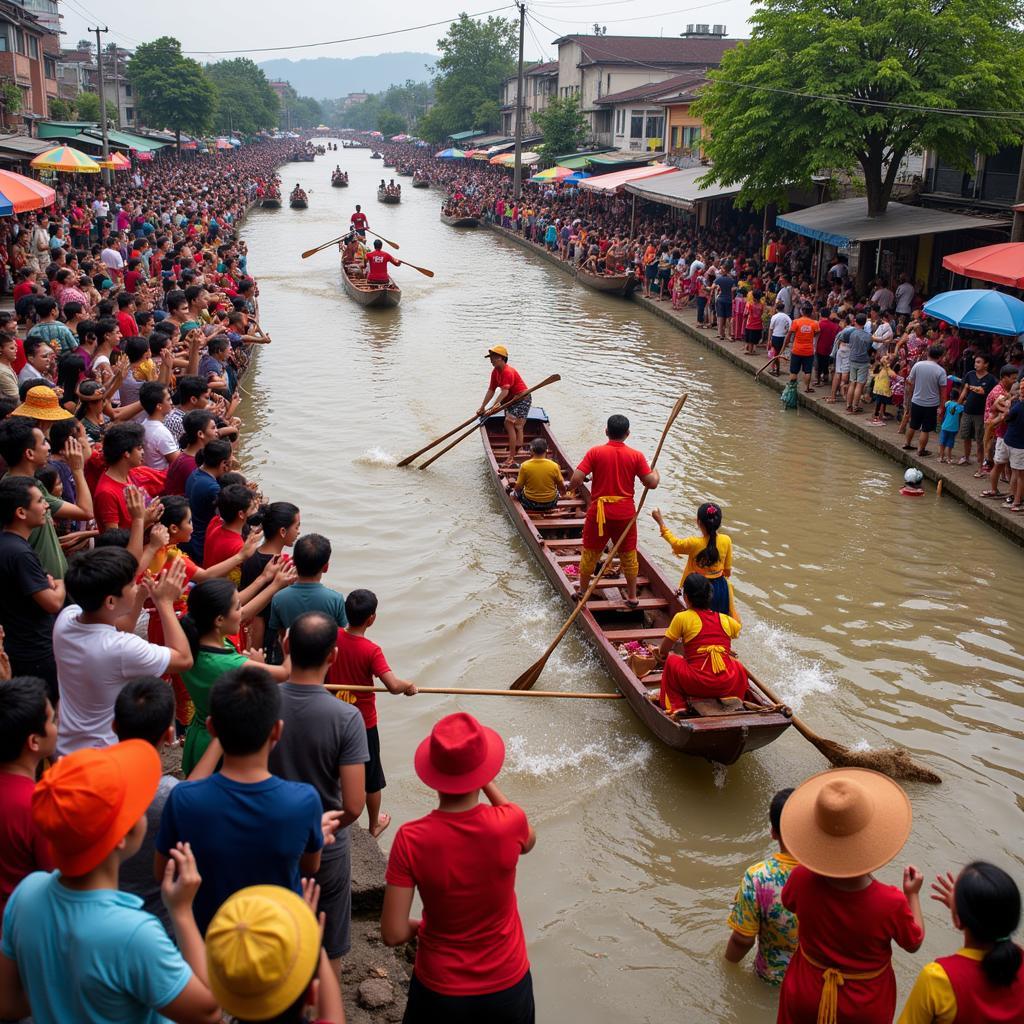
(242, 833)
(1014, 437)
(288, 604)
(951, 421)
(202, 491)
(90, 957)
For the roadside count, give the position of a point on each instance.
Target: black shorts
(513, 1005)
(375, 780)
(752, 335)
(923, 417)
(800, 364)
(335, 881)
(821, 361)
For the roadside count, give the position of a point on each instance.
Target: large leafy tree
(172, 91)
(476, 57)
(855, 85)
(563, 126)
(87, 108)
(245, 101)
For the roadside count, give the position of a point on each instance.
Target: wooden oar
(475, 420)
(422, 270)
(333, 241)
(766, 365)
(532, 674)
(386, 241)
(892, 761)
(483, 693)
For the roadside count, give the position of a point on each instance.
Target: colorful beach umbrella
(979, 309)
(117, 162)
(450, 154)
(19, 194)
(1002, 263)
(399, 138)
(553, 174)
(575, 179)
(66, 159)
(509, 159)
(222, 144)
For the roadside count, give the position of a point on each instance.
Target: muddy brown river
(879, 618)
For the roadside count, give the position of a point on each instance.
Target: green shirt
(210, 664)
(288, 604)
(55, 332)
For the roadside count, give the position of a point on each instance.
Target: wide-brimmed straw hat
(846, 822)
(459, 755)
(41, 404)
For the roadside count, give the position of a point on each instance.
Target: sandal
(963, 461)
(908, 448)
(991, 494)
(923, 453)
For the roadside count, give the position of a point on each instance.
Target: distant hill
(326, 78)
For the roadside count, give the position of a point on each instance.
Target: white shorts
(1016, 457)
(843, 361)
(1002, 455)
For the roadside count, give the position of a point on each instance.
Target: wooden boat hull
(298, 204)
(460, 222)
(376, 156)
(403, 172)
(717, 738)
(271, 204)
(391, 200)
(420, 183)
(381, 298)
(612, 284)
(340, 183)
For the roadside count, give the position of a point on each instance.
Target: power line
(641, 17)
(350, 39)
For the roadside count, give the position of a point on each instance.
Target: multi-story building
(78, 72)
(595, 68)
(540, 82)
(28, 59)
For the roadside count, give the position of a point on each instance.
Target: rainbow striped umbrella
(553, 174)
(19, 194)
(117, 162)
(66, 158)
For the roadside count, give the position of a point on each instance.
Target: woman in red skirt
(842, 825)
(707, 667)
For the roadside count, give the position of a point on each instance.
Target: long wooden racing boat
(613, 284)
(366, 295)
(420, 182)
(710, 730)
(460, 222)
(384, 196)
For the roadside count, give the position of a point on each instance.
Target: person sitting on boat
(539, 484)
(614, 468)
(350, 254)
(507, 384)
(709, 553)
(359, 222)
(706, 667)
(377, 266)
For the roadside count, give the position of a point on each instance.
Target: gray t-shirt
(321, 734)
(860, 344)
(136, 874)
(928, 380)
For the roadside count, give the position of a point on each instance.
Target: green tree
(476, 57)
(87, 108)
(390, 123)
(563, 126)
(245, 101)
(10, 100)
(171, 90)
(858, 84)
(61, 110)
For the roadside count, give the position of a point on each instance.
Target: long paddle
(892, 761)
(532, 674)
(422, 270)
(333, 241)
(386, 241)
(483, 693)
(475, 420)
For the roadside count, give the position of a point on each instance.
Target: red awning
(617, 180)
(1001, 264)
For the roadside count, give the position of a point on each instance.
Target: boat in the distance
(420, 182)
(613, 284)
(376, 156)
(388, 195)
(298, 199)
(711, 729)
(460, 221)
(339, 179)
(271, 201)
(369, 295)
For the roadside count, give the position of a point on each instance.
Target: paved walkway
(957, 481)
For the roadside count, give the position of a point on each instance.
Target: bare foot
(383, 820)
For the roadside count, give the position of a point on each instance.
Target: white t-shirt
(100, 208)
(882, 334)
(785, 296)
(159, 444)
(112, 258)
(779, 325)
(93, 663)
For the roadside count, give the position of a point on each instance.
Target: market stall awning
(846, 222)
(62, 129)
(464, 136)
(680, 190)
(576, 163)
(128, 140)
(20, 147)
(1000, 264)
(623, 159)
(617, 181)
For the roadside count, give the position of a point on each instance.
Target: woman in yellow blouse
(709, 553)
(983, 981)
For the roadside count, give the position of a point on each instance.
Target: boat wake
(792, 675)
(376, 457)
(603, 762)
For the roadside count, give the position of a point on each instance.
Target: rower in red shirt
(377, 265)
(507, 384)
(614, 466)
(359, 222)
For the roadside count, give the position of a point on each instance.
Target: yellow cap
(498, 350)
(262, 950)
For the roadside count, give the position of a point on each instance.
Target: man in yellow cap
(506, 383)
(264, 958)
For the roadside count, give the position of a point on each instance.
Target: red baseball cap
(459, 755)
(89, 801)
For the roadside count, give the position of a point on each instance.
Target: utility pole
(517, 179)
(103, 98)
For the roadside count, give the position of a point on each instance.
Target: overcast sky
(230, 24)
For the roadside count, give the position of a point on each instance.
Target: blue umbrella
(576, 178)
(979, 309)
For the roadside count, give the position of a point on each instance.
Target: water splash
(376, 457)
(601, 762)
(792, 675)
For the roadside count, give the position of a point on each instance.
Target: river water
(881, 619)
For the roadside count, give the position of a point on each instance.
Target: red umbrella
(1001, 264)
(19, 194)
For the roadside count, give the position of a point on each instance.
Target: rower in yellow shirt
(709, 554)
(540, 482)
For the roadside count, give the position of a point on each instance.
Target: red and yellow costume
(613, 467)
(707, 667)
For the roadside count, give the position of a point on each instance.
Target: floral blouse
(758, 910)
